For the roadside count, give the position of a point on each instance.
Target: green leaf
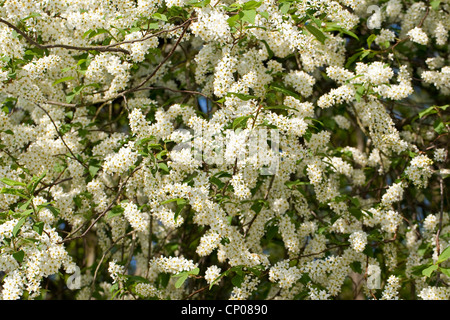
(178, 211)
(159, 16)
(348, 32)
(305, 279)
(280, 108)
(370, 39)
(439, 126)
(178, 200)
(357, 213)
(86, 33)
(115, 211)
(62, 80)
(219, 277)
(181, 202)
(15, 192)
(181, 280)
(97, 32)
(428, 271)
(445, 271)
(194, 271)
(291, 184)
(257, 206)
(161, 154)
(199, 4)
(356, 266)
(284, 8)
(70, 97)
(93, 169)
(283, 90)
(31, 16)
(35, 182)
(240, 122)
(355, 201)
(435, 4)
(237, 280)
(25, 205)
(163, 279)
(316, 33)
(241, 96)
(264, 14)
(163, 167)
(17, 227)
(184, 275)
(53, 210)
(417, 270)
(234, 19)
(427, 111)
(269, 51)
(359, 92)
(12, 183)
(38, 227)
(271, 232)
(249, 16)
(136, 279)
(238, 269)
(19, 255)
(444, 255)
(252, 4)
(217, 182)
(334, 26)
(153, 25)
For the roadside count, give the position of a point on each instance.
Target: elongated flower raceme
(174, 149)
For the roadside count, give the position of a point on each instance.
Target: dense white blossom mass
(165, 149)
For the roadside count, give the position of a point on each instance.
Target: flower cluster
(264, 149)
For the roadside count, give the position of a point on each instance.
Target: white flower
(439, 155)
(358, 240)
(212, 273)
(115, 270)
(418, 35)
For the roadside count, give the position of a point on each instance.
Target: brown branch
(106, 251)
(185, 26)
(122, 94)
(122, 185)
(146, 37)
(320, 252)
(229, 180)
(178, 91)
(52, 184)
(441, 214)
(407, 37)
(62, 104)
(49, 46)
(196, 292)
(61, 137)
(266, 196)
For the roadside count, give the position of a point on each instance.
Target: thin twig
(196, 292)
(61, 137)
(49, 46)
(106, 251)
(122, 185)
(62, 104)
(171, 52)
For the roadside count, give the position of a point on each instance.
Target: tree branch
(49, 46)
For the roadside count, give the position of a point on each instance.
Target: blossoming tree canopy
(224, 149)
